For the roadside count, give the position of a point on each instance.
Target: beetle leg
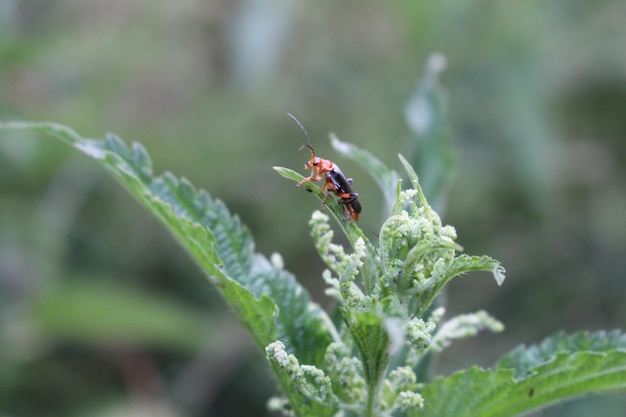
(307, 179)
(326, 192)
(347, 211)
(315, 176)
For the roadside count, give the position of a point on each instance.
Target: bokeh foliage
(535, 105)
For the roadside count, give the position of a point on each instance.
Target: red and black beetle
(335, 180)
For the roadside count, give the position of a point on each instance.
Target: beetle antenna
(308, 138)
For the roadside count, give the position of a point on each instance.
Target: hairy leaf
(267, 299)
(560, 368)
(460, 265)
(426, 116)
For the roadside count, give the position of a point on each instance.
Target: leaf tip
(499, 273)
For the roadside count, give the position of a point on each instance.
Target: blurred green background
(102, 314)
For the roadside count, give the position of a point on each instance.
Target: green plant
(367, 363)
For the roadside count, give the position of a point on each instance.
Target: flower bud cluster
(312, 382)
(346, 266)
(385, 295)
(399, 391)
(412, 246)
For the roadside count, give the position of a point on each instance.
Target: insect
(335, 180)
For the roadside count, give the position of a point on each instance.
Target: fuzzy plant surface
(367, 363)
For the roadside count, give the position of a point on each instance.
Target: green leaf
(372, 342)
(266, 299)
(523, 358)
(560, 368)
(426, 115)
(459, 266)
